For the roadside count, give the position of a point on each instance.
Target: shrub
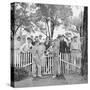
(20, 74)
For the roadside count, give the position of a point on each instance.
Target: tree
(25, 14)
(63, 11)
(84, 61)
(22, 15)
(77, 21)
(19, 16)
(52, 12)
(47, 14)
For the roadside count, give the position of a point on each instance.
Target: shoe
(53, 76)
(60, 76)
(39, 75)
(34, 76)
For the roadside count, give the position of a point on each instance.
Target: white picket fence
(48, 69)
(26, 60)
(23, 59)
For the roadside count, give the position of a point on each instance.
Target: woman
(56, 63)
(75, 53)
(39, 57)
(27, 46)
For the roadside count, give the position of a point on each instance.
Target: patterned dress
(75, 54)
(39, 58)
(56, 63)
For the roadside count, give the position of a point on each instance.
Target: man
(36, 39)
(62, 50)
(47, 43)
(40, 37)
(56, 64)
(32, 37)
(67, 56)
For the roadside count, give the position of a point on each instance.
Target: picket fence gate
(25, 60)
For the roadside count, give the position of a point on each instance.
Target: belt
(76, 50)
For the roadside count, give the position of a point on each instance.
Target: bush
(20, 74)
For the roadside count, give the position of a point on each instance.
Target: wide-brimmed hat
(18, 38)
(59, 36)
(29, 38)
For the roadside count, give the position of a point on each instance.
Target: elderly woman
(39, 57)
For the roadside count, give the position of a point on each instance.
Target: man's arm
(65, 46)
(22, 48)
(70, 46)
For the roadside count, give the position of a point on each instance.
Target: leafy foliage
(25, 14)
(53, 12)
(63, 11)
(20, 74)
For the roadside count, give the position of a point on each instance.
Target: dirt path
(70, 79)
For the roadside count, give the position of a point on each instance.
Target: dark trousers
(62, 63)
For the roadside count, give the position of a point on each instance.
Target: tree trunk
(48, 30)
(84, 61)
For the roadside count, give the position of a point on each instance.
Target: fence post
(20, 59)
(15, 57)
(60, 61)
(31, 61)
(50, 64)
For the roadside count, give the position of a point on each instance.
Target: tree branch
(17, 29)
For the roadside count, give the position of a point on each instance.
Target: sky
(77, 10)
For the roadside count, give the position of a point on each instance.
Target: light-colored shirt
(26, 47)
(76, 45)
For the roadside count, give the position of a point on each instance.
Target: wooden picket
(23, 59)
(48, 65)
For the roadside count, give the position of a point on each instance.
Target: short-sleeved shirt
(26, 47)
